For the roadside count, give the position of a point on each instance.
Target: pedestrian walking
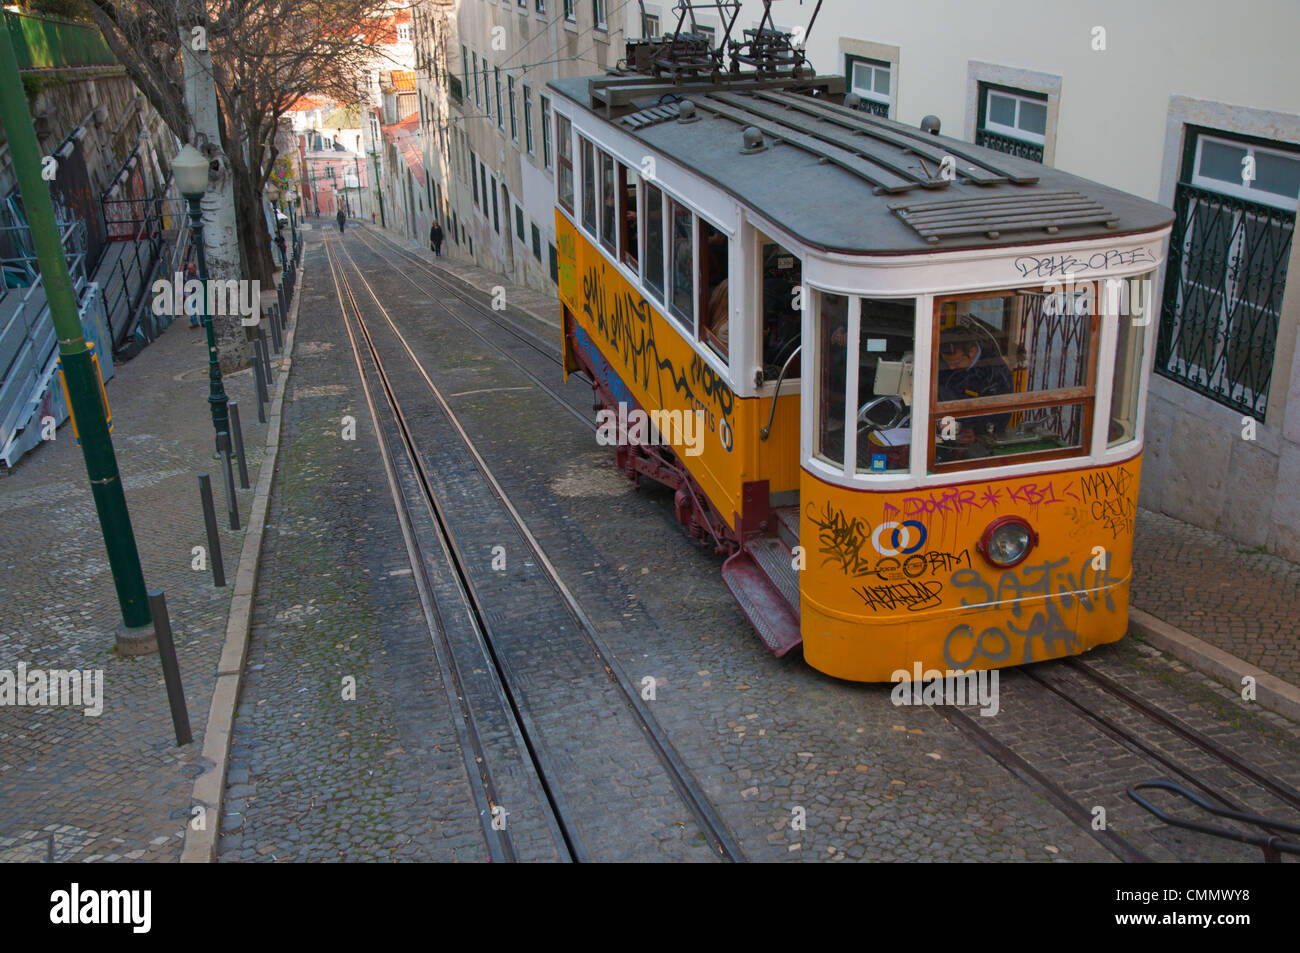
(342, 220)
(435, 239)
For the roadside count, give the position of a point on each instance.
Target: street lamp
(191, 168)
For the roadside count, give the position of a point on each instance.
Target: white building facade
(487, 123)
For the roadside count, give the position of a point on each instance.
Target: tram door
(780, 299)
(781, 280)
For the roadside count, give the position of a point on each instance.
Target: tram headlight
(1007, 541)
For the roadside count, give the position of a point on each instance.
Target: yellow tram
(898, 379)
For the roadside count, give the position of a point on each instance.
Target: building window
(520, 232)
(537, 242)
(546, 131)
(528, 119)
(541, 6)
(464, 66)
(403, 33)
(477, 100)
(496, 218)
(1012, 121)
(487, 90)
(501, 118)
(598, 14)
(649, 27)
(482, 172)
(570, 13)
(555, 264)
(473, 176)
(872, 80)
(514, 111)
(708, 32)
(564, 180)
(1235, 212)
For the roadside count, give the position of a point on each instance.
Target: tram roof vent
(649, 117)
(996, 214)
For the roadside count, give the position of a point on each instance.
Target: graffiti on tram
(1041, 633)
(627, 323)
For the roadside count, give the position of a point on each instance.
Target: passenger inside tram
(971, 366)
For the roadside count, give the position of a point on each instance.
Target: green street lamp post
(191, 170)
(85, 404)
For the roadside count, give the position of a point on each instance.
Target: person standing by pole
(435, 239)
(342, 220)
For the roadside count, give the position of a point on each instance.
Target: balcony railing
(1013, 147)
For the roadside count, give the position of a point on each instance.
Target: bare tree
(262, 56)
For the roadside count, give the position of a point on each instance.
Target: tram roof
(845, 180)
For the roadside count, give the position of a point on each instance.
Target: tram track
(1252, 784)
(517, 332)
(500, 649)
(1055, 792)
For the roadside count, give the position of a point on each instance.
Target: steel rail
(472, 748)
(692, 794)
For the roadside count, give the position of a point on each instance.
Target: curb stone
(209, 787)
(1271, 692)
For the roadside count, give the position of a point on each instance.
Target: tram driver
(971, 365)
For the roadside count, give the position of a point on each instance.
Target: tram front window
(880, 415)
(1014, 376)
(832, 367)
(883, 413)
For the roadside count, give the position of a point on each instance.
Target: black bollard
(237, 432)
(214, 537)
(232, 503)
(162, 627)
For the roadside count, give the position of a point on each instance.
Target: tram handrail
(762, 434)
(1272, 845)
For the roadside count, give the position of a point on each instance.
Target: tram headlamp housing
(1007, 541)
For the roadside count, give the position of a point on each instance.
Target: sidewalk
(1214, 591)
(75, 787)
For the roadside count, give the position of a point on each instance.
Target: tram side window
(654, 240)
(627, 215)
(683, 265)
(994, 354)
(714, 313)
(883, 413)
(1127, 382)
(588, 159)
(832, 372)
(782, 276)
(564, 142)
(608, 206)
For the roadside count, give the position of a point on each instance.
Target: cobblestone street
(346, 745)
